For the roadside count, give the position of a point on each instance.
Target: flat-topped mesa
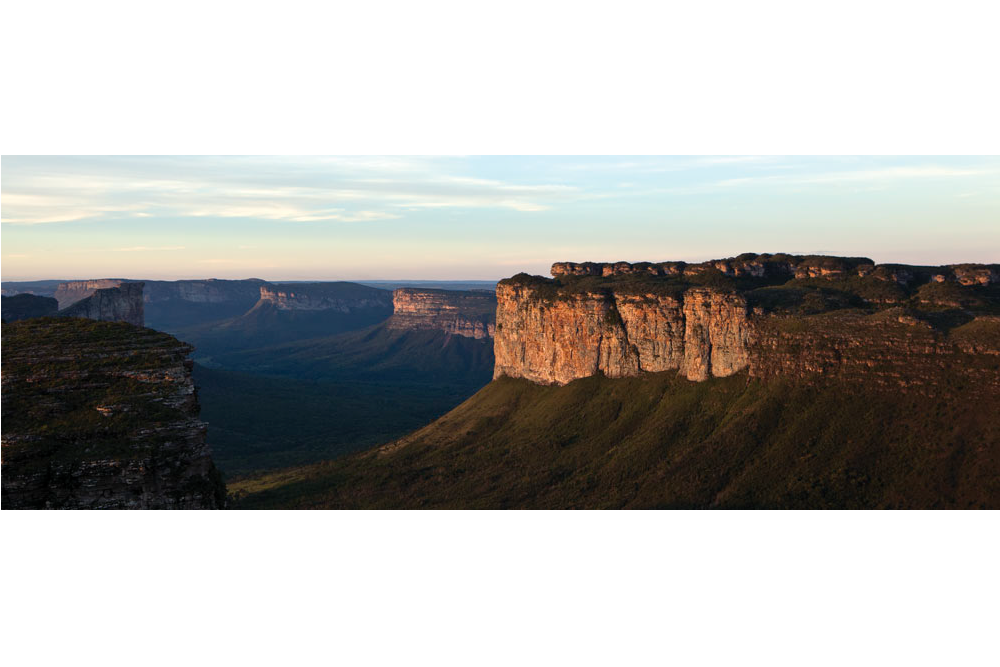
(462, 313)
(765, 314)
(114, 304)
(337, 296)
(70, 292)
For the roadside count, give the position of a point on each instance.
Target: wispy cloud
(348, 190)
(144, 248)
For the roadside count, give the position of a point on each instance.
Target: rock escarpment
(699, 332)
(101, 415)
(462, 313)
(114, 304)
(767, 314)
(70, 292)
(211, 290)
(342, 297)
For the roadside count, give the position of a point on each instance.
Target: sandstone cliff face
(339, 296)
(701, 333)
(469, 314)
(717, 333)
(115, 304)
(76, 290)
(771, 315)
(101, 415)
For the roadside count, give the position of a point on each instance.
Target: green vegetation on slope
(659, 441)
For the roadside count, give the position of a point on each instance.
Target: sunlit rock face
(113, 304)
(462, 313)
(769, 315)
(700, 333)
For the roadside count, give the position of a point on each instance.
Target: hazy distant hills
(24, 306)
(285, 313)
(376, 354)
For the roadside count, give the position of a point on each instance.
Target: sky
(478, 218)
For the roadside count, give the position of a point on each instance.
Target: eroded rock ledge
(768, 314)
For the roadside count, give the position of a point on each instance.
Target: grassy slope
(660, 441)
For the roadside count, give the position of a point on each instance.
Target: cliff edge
(123, 303)
(101, 415)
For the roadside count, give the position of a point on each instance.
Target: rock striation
(123, 303)
(463, 313)
(101, 415)
(768, 315)
(342, 297)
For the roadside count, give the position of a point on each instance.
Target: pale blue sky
(479, 217)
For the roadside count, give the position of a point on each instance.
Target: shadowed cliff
(101, 415)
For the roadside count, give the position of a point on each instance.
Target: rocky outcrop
(115, 304)
(101, 415)
(342, 297)
(770, 315)
(70, 292)
(462, 313)
(24, 306)
(976, 274)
